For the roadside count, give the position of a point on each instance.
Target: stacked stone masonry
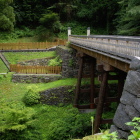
(56, 96)
(69, 61)
(42, 62)
(35, 78)
(129, 106)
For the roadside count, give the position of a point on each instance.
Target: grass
(13, 92)
(3, 68)
(14, 57)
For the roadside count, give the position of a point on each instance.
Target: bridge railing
(122, 46)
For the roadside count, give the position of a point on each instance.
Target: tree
(129, 17)
(65, 8)
(100, 13)
(7, 16)
(50, 25)
(28, 12)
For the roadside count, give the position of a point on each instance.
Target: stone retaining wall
(42, 62)
(129, 106)
(35, 78)
(60, 95)
(69, 61)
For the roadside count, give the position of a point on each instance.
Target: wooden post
(92, 92)
(102, 95)
(78, 83)
(121, 79)
(69, 32)
(88, 31)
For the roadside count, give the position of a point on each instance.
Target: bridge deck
(117, 51)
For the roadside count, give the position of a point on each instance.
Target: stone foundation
(60, 95)
(69, 61)
(129, 106)
(35, 78)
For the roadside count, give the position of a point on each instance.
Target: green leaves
(16, 119)
(55, 62)
(129, 18)
(111, 136)
(7, 16)
(31, 97)
(135, 133)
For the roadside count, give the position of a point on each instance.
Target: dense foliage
(53, 17)
(129, 17)
(7, 16)
(17, 122)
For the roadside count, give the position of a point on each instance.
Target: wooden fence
(32, 45)
(35, 69)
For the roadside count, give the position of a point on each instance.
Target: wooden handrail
(112, 37)
(123, 47)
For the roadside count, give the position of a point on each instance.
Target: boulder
(132, 83)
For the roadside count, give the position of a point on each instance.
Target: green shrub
(55, 62)
(74, 125)
(17, 123)
(31, 97)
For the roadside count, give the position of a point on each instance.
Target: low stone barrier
(42, 62)
(129, 106)
(55, 96)
(35, 78)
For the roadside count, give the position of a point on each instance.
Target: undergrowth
(3, 68)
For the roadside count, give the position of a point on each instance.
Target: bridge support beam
(92, 82)
(104, 100)
(76, 99)
(92, 64)
(102, 96)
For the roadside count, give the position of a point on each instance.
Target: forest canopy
(112, 16)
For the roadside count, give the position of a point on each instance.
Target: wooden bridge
(104, 54)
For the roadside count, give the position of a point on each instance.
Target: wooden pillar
(102, 96)
(92, 92)
(121, 80)
(78, 82)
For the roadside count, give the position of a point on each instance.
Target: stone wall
(35, 78)
(129, 106)
(60, 95)
(69, 61)
(42, 62)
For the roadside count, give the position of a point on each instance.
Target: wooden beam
(78, 82)
(85, 106)
(102, 95)
(92, 81)
(108, 67)
(105, 121)
(124, 66)
(107, 100)
(121, 80)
